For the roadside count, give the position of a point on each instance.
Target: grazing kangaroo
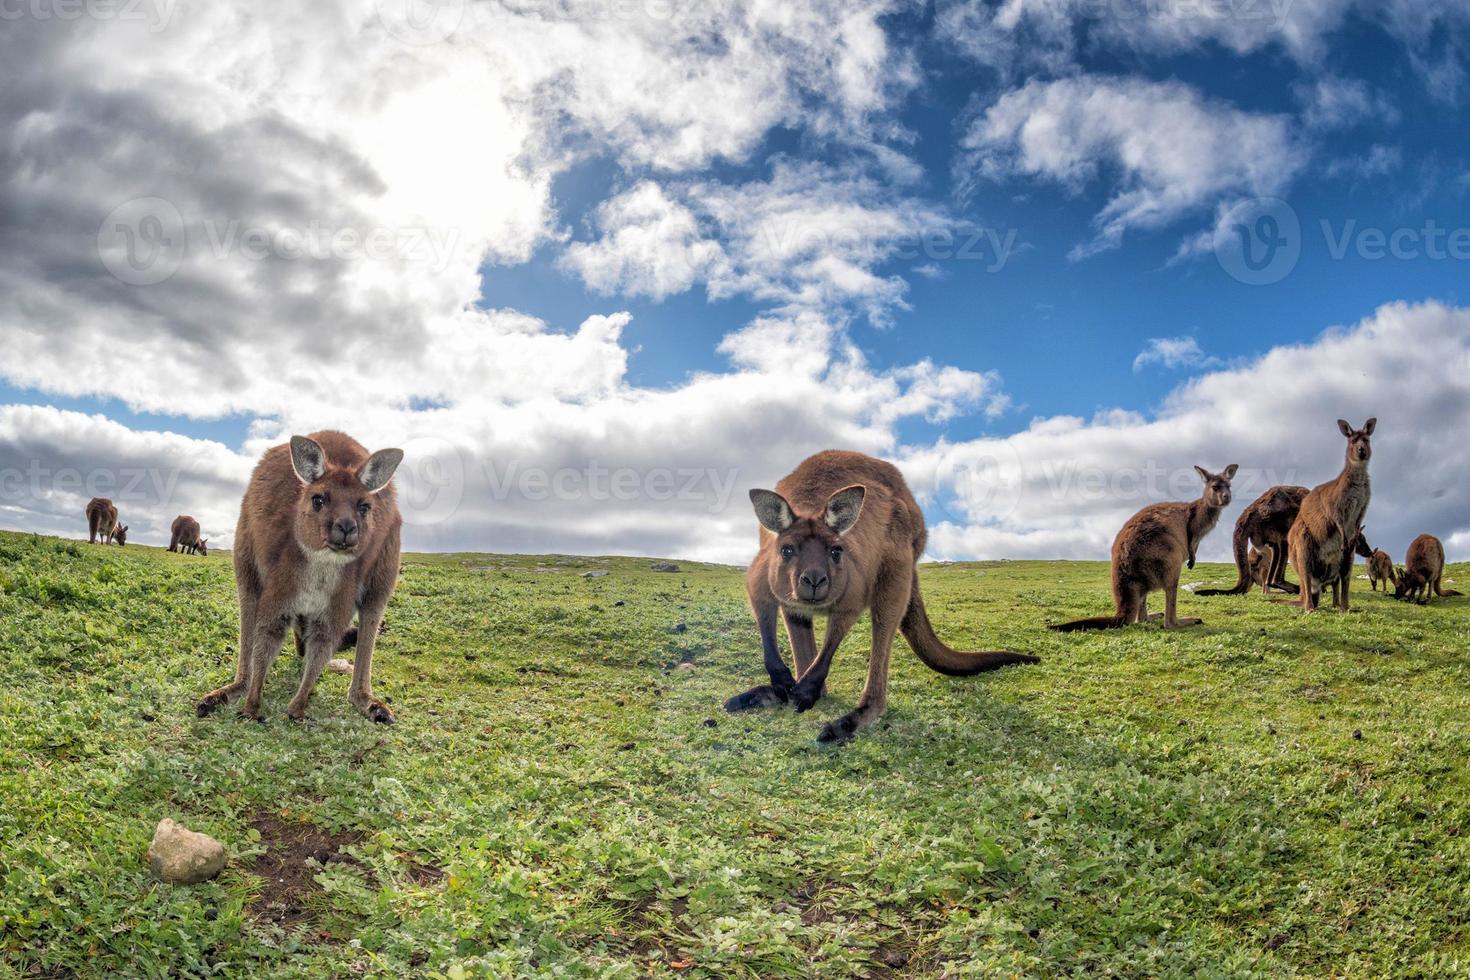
(1150, 550)
(1322, 546)
(1380, 569)
(317, 538)
(1264, 524)
(842, 534)
(102, 522)
(185, 537)
(1423, 571)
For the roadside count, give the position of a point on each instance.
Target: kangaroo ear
(1344, 428)
(1369, 426)
(308, 459)
(1204, 474)
(843, 508)
(379, 468)
(1230, 471)
(772, 510)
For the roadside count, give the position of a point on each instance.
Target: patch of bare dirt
(295, 852)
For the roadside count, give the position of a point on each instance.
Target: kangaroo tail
(1095, 623)
(1241, 542)
(1445, 592)
(956, 663)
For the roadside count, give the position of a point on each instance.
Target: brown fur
(185, 537)
(840, 535)
(318, 538)
(102, 522)
(1423, 572)
(1321, 543)
(1264, 524)
(1150, 551)
(1380, 569)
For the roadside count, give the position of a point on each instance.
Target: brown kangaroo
(1264, 524)
(1423, 572)
(318, 537)
(1150, 550)
(1321, 542)
(840, 535)
(186, 538)
(1380, 569)
(102, 522)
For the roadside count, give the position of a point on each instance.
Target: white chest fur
(319, 582)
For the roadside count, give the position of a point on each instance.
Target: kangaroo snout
(813, 584)
(343, 534)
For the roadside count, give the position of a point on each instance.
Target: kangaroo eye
(363, 508)
(787, 551)
(835, 554)
(318, 501)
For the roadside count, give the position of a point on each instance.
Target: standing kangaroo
(1380, 569)
(1264, 524)
(1423, 572)
(840, 535)
(1328, 530)
(317, 538)
(102, 522)
(1150, 550)
(185, 536)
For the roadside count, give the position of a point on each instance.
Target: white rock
(180, 856)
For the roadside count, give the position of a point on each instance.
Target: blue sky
(690, 236)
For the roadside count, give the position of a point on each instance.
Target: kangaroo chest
(321, 578)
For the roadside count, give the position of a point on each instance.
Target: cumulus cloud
(1173, 353)
(1175, 152)
(1064, 486)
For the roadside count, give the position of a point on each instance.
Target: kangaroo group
(317, 546)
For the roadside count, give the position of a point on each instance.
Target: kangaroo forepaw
(803, 697)
(839, 729)
(377, 712)
(764, 696)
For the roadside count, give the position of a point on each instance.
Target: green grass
(1269, 794)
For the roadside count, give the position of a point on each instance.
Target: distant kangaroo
(1329, 527)
(843, 534)
(102, 522)
(1380, 569)
(1150, 550)
(186, 537)
(1423, 571)
(1265, 524)
(317, 538)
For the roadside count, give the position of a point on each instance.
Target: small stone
(685, 665)
(710, 723)
(593, 574)
(663, 566)
(180, 856)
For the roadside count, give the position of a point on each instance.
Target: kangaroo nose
(814, 581)
(344, 531)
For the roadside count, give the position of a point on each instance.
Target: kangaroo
(1264, 524)
(842, 534)
(1150, 550)
(318, 537)
(1321, 545)
(102, 522)
(1380, 569)
(186, 538)
(1423, 572)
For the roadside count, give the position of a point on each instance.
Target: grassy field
(1269, 794)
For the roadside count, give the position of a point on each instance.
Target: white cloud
(1337, 103)
(1175, 153)
(1173, 353)
(1064, 486)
